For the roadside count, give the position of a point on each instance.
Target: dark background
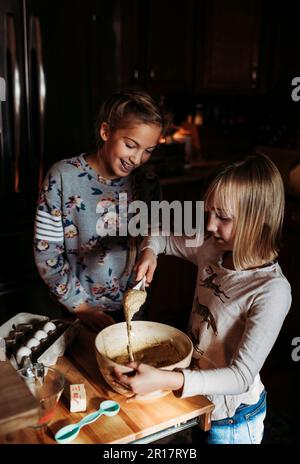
(232, 60)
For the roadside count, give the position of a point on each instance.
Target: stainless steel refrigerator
(58, 60)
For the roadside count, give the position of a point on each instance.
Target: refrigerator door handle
(2, 99)
(16, 91)
(35, 45)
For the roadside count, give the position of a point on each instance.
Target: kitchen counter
(198, 171)
(137, 422)
(285, 159)
(18, 407)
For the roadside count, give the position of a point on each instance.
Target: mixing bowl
(154, 343)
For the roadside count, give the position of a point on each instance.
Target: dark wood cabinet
(231, 48)
(198, 46)
(170, 40)
(285, 50)
(132, 43)
(157, 45)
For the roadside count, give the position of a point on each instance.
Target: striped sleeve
(48, 227)
(49, 247)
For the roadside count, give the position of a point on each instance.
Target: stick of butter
(77, 398)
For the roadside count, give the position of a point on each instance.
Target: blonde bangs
(222, 195)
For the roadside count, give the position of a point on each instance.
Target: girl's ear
(104, 131)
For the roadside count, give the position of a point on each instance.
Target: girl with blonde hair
(240, 302)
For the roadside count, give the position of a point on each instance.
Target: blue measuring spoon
(69, 432)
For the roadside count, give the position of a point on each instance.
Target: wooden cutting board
(136, 419)
(18, 407)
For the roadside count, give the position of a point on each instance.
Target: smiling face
(126, 149)
(221, 226)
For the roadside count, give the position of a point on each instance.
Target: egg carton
(18, 330)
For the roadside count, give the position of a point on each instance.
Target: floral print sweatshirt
(75, 258)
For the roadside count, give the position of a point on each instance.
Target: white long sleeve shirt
(235, 320)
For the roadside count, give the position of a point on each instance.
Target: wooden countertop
(18, 407)
(136, 419)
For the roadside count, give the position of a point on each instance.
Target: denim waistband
(247, 408)
(241, 411)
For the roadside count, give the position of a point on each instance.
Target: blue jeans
(245, 427)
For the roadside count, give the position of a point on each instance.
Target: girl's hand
(146, 265)
(147, 379)
(93, 318)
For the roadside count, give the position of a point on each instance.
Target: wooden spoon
(132, 301)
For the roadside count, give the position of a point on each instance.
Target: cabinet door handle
(35, 44)
(16, 94)
(152, 74)
(254, 76)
